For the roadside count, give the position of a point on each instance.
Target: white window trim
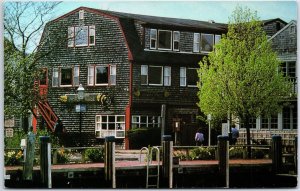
(111, 74)
(192, 86)
(153, 39)
(148, 122)
(60, 73)
(213, 38)
(80, 45)
(161, 78)
(55, 74)
(176, 40)
(81, 14)
(171, 40)
(91, 73)
(107, 130)
(198, 43)
(185, 77)
(9, 132)
(76, 75)
(170, 76)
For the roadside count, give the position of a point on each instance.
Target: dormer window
(81, 15)
(176, 38)
(164, 40)
(153, 38)
(207, 42)
(292, 29)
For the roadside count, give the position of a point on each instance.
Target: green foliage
(62, 156)
(202, 153)
(242, 75)
(236, 152)
(13, 157)
(181, 154)
(95, 155)
(15, 141)
(143, 137)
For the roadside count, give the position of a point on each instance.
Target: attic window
(81, 15)
(164, 40)
(292, 29)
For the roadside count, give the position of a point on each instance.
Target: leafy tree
(241, 76)
(23, 24)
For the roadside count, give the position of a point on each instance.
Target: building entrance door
(185, 137)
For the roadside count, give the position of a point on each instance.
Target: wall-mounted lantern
(80, 92)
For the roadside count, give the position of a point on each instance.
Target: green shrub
(62, 156)
(202, 153)
(236, 152)
(143, 137)
(259, 154)
(95, 155)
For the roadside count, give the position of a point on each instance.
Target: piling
(167, 162)
(28, 164)
(223, 150)
(296, 154)
(109, 161)
(276, 154)
(45, 161)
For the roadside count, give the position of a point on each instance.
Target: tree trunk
(247, 126)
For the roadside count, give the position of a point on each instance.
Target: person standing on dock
(235, 134)
(199, 138)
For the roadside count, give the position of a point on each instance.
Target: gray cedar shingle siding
(110, 48)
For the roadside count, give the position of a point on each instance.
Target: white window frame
(81, 14)
(167, 76)
(187, 77)
(92, 32)
(71, 36)
(76, 77)
(201, 48)
(292, 29)
(112, 72)
(9, 132)
(106, 132)
(176, 40)
(219, 38)
(161, 77)
(87, 35)
(170, 40)
(196, 42)
(144, 72)
(55, 77)
(91, 75)
(155, 38)
(148, 123)
(182, 74)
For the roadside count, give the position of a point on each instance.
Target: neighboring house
(129, 65)
(284, 42)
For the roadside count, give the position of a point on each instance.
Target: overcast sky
(218, 11)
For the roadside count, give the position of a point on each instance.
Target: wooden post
(45, 161)
(296, 154)
(29, 152)
(276, 153)
(109, 160)
(163, 121)
(223, 145)
(168, 159)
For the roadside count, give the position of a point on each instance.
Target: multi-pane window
(252, 123)
(269, 122)
(110, 125)
(207, 42)
(217, 38)
(176, 39)
(102, 75)
(9, 132)
(155, 75)
(139, 121)
(188, 77)
(68, 76)
(81, 36)
(289, 115)
(153, 38)
(289, 69)
(164, 39)
(167, 76)
(196, 43)
(182, 76)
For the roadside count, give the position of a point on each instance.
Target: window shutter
(76, 76)
(92, 35)
(144, 75)
(91, 78)
(167, 75)
(196, 42)
(113, 74)
(182, 76)
(70, 36)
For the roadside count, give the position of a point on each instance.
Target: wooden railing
(48, 114)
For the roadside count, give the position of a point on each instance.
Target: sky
(219, 11)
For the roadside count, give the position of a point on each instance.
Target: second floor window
(81, 36)
(101, 75)
(207, 42)
(66, 76)
(176, 38)
(155, 75)
(188, 77)
(164, 39)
